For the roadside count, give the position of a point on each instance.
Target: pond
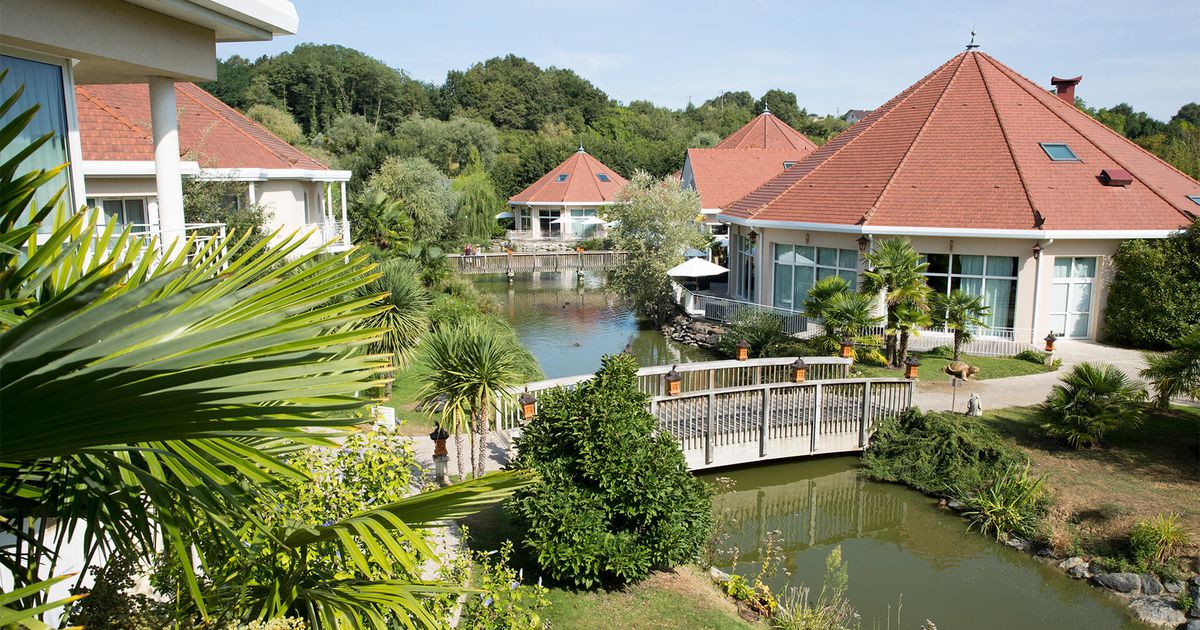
(569, 324)
(902, 551)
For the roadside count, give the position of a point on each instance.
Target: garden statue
(974, 405)
(959, 369)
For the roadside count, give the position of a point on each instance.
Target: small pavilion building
(1007, 189)
(557, 205)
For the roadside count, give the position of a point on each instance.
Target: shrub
(1091, 400)
(939, 453)
(1012, 503)
(615, 499)
(1175, 373)
(939, 352)
(763, 330)
(1153, 541)
(1033, 356)
(596, 244)
(504, 603)
(1155, 289)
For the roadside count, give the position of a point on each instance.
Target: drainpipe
(1037, 285)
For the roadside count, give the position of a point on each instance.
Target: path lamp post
(528, 408)
(441, 456)
(910, 367)
(847, 347)
(1050, 339)
(672, 379)
(798, 370)
(743, 350)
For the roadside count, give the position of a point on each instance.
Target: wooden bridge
(737, 412)
(535, 262)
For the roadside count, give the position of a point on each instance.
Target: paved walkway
(1021, 391)
(1016, 391)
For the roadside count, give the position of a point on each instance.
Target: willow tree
(478, 202)
(658, 221)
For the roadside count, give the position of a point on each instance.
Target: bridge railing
(699, 376)
(526, 262)
(741, 424)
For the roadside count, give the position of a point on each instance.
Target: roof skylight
(561, 178)
(787, 165)
(1059, 152)
(602, 177)
(1195, 199)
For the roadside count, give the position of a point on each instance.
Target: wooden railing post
(912, 388)
(710, 428)
(763, 421)
(818, 404)
(866, 415)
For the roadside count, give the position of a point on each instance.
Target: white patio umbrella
(592, 220)
(696, 268)
(504, 215)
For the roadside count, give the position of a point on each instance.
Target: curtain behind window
(43, 87)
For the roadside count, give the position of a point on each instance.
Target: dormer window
(602, 177)
(787, 165)
(561, 178)
(1059, 152)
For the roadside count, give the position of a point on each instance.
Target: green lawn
(404, 396)
(989, 367)
(1100, 492)
(682, 598)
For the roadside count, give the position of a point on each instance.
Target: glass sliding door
(1071, 296)
(44, 87)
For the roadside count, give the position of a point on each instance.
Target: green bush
(615, 499)
(938, 453)
(939, 352)
(1091, 400)
(1152, 541)
(596, 244)
(1155, 289)
(503, 603)
(1012, 503)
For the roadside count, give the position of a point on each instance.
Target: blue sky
(833, 55)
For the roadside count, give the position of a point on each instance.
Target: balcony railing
(335, 233)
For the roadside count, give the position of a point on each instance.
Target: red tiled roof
(723, 176)
(114, 124)
(582, 184)
(960, 149)
(766, 131)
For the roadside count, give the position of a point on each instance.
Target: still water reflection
(569, 324)
(899, 548)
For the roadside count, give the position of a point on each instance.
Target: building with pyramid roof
(743, 161)
(557, 205)
(1008, 190)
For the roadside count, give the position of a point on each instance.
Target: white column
(167, 178)
(345, 221)
(535, 221)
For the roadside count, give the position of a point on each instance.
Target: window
(579, 229)
(1059, 152)
(45, 88)
(993, 277)
(123, 211)
(1071, 295)
(561, 178)
(602, 177)
(798, 267)
(231, 203)
(787, 165)
(746, 266)
(1195, 199)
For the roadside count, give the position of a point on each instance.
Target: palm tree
(1091, 400)
(470, 365)
(896, 270)
(961, 312)
(380, 220)
(403, 312)
(909, 318)
(150, 395)
(821, 293)
(1176, 373)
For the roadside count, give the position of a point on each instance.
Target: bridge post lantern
(910, 367)
(847, 350)
(1050, 339)
(742, 350)
(672, 380)
(799, 368)
(440, 455)
(528, 404)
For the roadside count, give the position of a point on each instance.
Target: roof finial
(972, 45)
(581, 147)
(766, 108)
